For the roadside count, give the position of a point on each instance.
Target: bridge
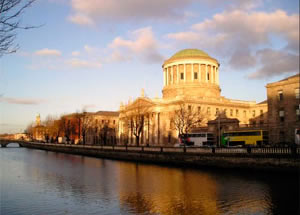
(5, 142)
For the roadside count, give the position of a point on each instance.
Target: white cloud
(141, 44)
(83, 64)
(91, 50)
(48, 52)
(234, 4)
(89, 11)
(81, 19)
(237, 34)
(21, 101)
(75, 53)
(274, 62)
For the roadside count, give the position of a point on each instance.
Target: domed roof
(190, 53)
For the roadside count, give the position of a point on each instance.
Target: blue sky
(94, 54)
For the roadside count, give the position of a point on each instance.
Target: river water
(39, 182)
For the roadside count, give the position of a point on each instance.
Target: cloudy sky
(94, 54)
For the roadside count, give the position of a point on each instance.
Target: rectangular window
(281, 115)
(237, 112)
(208, 76)
(245, 113)
(225, 112)
(114, 121)
(253, 113)
(195, 75)
(261, 113)
(208, 110)
(231, 112)
(297, 93)
(280, 95)
(182, 76)
(297, 113)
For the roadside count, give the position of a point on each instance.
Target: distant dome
(189, 53)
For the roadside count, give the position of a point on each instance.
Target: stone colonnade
(175, 73)
(151, 133)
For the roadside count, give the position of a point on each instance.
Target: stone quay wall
(269, 159)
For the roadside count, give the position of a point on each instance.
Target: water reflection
(41, 182)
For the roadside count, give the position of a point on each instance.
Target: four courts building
(190, 77)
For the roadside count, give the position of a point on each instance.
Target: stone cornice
(179, 59)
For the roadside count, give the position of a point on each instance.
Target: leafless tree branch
(10, 21)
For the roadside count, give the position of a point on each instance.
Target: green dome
(190, 53)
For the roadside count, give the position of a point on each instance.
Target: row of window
(195, 76)
(105, 121)
(281, 114)
(231, 112)
(280, 94)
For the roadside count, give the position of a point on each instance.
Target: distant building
(102, 128)
(283, 109)
(39, 130)
(190, 76)
(21, 136)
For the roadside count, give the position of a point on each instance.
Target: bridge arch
(5, 143)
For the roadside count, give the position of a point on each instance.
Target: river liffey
(39, 182)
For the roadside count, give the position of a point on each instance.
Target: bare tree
(52, 131)
(135, 116)
(10, 22)
(186, 117)
(86, 124)
(78, 117)
(29, 130)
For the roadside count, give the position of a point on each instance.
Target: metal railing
(293, 151)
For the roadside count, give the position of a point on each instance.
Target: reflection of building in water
(166, 191)
(160, 190)
(191, 77)
(243, 195)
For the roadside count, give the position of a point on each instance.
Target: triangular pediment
(143, 101)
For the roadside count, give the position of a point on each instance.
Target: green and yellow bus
(245, 138)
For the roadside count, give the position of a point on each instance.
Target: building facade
(102, 128)
(283, 110)
(191, 77)
(39, 130)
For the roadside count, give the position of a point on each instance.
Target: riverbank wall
(265, 159)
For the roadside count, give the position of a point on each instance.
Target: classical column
(184, 70)
(217, 75)
(212, 69)
(199, 72)
(167, 76)
(172, 75)
(206, 72)
(192, 65)
(177, 70)
(164, 71)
